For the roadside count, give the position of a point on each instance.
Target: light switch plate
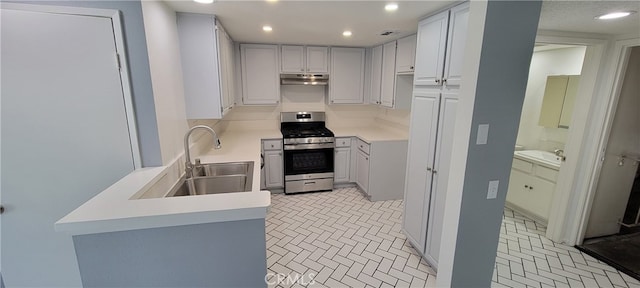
(483, 134)
(492, 192)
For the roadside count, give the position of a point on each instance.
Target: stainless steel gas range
(308, 152)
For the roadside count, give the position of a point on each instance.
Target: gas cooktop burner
(302, 132)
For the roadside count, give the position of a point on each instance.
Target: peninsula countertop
(116, 208)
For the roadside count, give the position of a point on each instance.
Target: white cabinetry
(440, 47)
(346, 79)
(260, 74)
(531, 188)
(376, 75)
(388, 74)
(431, 130)
(342, 160)
(301, 59)
(379, 168)
(206, 53)
(406, 54)
(273, 163)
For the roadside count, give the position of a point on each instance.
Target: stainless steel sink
(216, 178)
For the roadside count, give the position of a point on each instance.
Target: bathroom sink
(542, 156)
(217, 178)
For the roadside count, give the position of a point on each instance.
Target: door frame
(125, 81)
(562, 219)
(612, 85)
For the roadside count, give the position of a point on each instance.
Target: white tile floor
(340, 239)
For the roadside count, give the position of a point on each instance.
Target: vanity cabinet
(558, 101)
(260, 74)
(432, 125)
(379, 168)
(273, 163)
(346, 79)
(304, 59)
(342, 160)
(206, 54)
(531, 188)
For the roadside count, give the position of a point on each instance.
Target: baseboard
(526, 213)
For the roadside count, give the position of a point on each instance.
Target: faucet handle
(218, 144)
(198, 162)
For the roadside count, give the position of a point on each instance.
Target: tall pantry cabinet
(439, 53)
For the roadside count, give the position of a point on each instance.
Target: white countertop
(539, 157)
(370, 133)
(114, 210)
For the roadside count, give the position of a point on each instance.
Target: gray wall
(507, 47)
(226, 254)
(136, 47)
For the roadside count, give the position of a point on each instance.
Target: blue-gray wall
(507, 47)
(226, 254)
(136, 47)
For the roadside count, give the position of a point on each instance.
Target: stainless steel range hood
(304, 79)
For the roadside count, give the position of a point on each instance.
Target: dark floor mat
(620, 251)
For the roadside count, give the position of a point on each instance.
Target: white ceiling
(322, 22)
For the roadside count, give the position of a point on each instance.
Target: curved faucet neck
(187, 155)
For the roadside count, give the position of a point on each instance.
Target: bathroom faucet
(188, 167)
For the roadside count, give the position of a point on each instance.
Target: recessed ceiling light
(391, 7)
(615, 15)
(346, 33)
(204, 1)
(272, 0)
(267, 28)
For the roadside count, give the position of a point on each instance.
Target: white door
(376, 74)
(456, 39)
(346, 80)
(446, 125)
(64, 136)
(260, 74)
(422, 141)
(406, 56)
(388, 74)
(273, 169)
(292, 59)
(317, 59)
(341, 164)
(432, 36)
(362, 171)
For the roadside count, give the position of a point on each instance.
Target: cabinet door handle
(411, 67)
(309, 183)
(444, 81)
(438, 81)
(428, 169)
(530, 187)
(526, 186)
(434, 171)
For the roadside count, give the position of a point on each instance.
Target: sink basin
(543, 156)
(216, 178)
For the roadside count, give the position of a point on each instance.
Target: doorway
(613, 227)
(554, 78)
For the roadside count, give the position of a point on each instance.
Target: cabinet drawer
(272, 144)
(523, 166)
(343, 142)
(363, 146)
(546, 173)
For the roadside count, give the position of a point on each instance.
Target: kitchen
(171, 132)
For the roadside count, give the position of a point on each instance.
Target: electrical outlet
(492, 192)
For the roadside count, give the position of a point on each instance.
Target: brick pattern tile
(527, 259)
(344, 239)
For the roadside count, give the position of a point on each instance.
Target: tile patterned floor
(527, 259)
(340, 239)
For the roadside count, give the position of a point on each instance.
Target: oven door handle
(309, 146)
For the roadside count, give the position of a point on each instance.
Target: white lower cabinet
(531, 188)
(380, 168)
(342, 160)
(273, 164)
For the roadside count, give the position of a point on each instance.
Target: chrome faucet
(188, 167)
(558, 152)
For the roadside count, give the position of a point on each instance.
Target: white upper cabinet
(292, 59)
(301, 59)
(431, 43)
(260, 74)
(376, 74)
(458, 21)
(346, 79)
(440, 47)
(388, 74)
(317, 59)
(207, 66)
(406, 54)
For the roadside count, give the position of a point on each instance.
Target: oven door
(304, 159)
